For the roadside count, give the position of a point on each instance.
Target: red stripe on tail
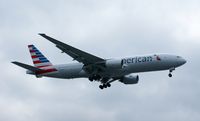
(45, 71)
(37, 62)
(34, 56)
(43, 66)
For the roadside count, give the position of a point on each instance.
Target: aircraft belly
(114, 73)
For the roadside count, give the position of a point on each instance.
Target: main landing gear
(105, 82)
(170, 72)
(105, 86)
(94, 77)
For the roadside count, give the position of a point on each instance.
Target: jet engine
(114, 64)
(129, 79)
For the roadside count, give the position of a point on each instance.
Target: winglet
(42, 34)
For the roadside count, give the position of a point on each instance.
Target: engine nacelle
(114, 64)
(129, 79)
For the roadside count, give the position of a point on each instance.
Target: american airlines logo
(158, 58)
(137, 60)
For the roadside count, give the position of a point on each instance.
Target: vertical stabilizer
(39, 60)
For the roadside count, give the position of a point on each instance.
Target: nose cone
(182, 61)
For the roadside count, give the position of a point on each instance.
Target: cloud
(107, 29)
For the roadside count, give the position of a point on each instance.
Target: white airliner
(95, 68)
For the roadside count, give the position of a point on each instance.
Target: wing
(75, 53)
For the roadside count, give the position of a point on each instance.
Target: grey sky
(109, 29)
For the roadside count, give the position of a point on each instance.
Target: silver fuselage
(130, 65)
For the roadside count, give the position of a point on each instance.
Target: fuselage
(120, 67)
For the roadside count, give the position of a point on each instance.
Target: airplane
(98, 69)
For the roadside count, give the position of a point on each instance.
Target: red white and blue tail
(39, 60)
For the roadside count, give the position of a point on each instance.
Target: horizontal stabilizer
(28, 67)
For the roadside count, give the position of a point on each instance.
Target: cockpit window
(178, 56)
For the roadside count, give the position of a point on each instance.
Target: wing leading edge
(75, 53)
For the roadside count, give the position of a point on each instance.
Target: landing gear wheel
(101, 86)
(108, 85)
(104, 85)
(170, 71)
(91, 79)
(170, 75)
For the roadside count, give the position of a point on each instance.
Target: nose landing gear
(170, 75)
(170, 72)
